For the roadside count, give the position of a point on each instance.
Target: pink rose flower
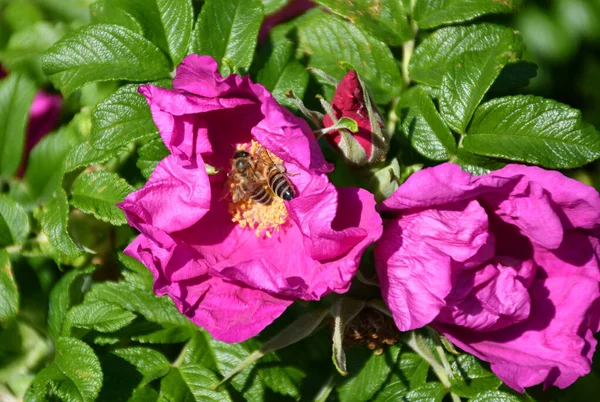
(505, 265)
(233, 267)
(44, 114)
(43, 117)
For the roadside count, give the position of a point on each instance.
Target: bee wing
(263, 157)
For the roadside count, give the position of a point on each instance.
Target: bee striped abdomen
(280, 185)
(262, 196)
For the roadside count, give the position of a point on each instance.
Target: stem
(440, 351)
(325, 390)
(392, 117)
(437, 368)
(460, 140)
(407, 50)
(409, 46)
(181, 356)
(426, 355)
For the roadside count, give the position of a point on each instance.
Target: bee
(248, 183)
(276, 176)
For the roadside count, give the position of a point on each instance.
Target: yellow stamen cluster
(263, 219)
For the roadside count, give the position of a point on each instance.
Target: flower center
(253, 204)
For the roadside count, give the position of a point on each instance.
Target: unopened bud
(370, 143)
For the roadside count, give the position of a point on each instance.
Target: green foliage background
(79, 320)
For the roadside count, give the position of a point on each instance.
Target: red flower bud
(352, 101)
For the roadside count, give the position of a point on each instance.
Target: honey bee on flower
(233, 264)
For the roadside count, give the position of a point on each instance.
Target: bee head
(240, 154)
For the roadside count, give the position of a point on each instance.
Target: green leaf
(98, 193)
(84, 154)
(23, 53)
(227, 31)
(435, 55)
(494, 396)
(14, 223)
(9, 294)
(167, 23)
(68, 10)
(16, 95)
(105, 12)
(67, 293)
(535, 130)
(191, 383)
(409, 373)
(468, 79)
(136, 274)
(166, 335)
(22, 349)
(144, 394)
(80, 368)
(38, 388)
(149, 362)
(299, 329)
(200, 380)
(160, 310)
(122, 118)
(281, 73)
(476, 164)
(384, 19)
(45, 172)
(328, 39)
(55, 215)
(271, 6)
(284, 380)
(470, 378)
(103, 52)
(98, 316)
(430, 392)
(367, 377)
(423, 126)
(226, 358)
(149, 155)
(433, 13)
(75, 374)
(21, 15)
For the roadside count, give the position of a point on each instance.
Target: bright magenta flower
(505, 265)
(233, 268)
